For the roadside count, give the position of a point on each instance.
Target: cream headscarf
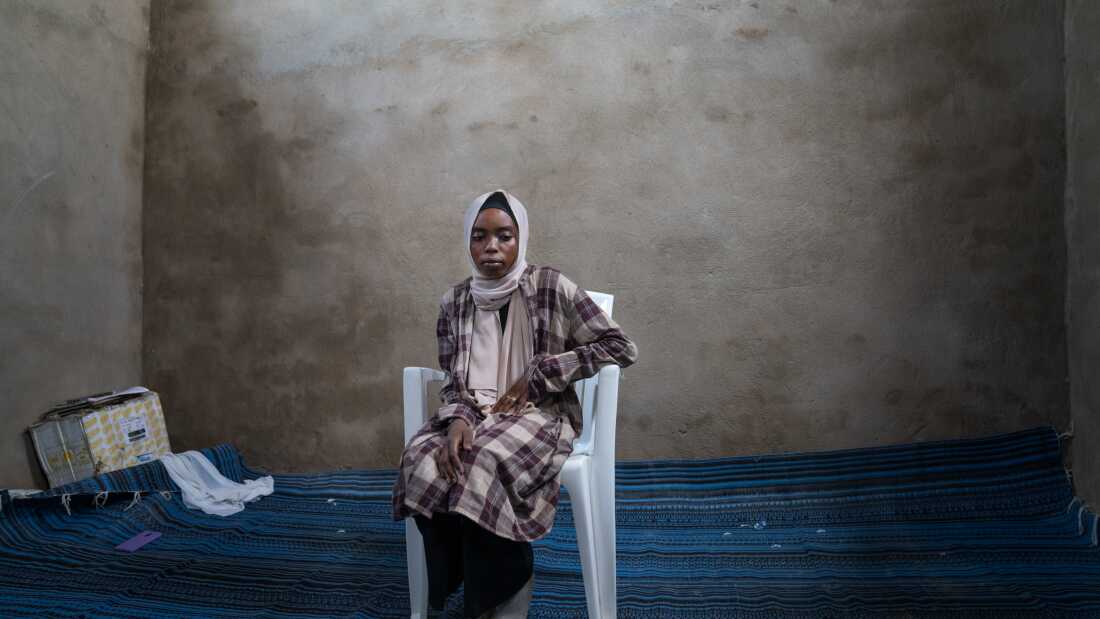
(497, 360)
(491, 294)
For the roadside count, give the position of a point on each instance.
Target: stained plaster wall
(1083, 236)
(72, 86)
(826, 224)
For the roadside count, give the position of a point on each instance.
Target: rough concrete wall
(827, 224)
(71, 143)
(1083, 237)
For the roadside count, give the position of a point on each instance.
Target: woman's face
(493, 243)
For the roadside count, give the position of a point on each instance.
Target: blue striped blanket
(970, 528)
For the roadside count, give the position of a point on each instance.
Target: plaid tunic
(512, 470)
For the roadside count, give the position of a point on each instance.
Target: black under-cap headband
(498, 201)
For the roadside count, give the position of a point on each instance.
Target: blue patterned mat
(974, 528)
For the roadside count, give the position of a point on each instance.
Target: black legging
(457, 550)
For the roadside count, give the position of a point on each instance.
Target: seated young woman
(482, 477)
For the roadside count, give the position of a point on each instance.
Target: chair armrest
(600, 431)
(606, 417)
(416, 397)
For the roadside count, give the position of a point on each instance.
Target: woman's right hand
(447, 460)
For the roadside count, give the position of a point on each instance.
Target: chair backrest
(586, 389)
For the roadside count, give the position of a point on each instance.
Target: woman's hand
(447, 459)
(513, 400)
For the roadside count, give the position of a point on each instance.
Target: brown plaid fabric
(512, 470)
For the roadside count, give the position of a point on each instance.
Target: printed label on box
(134, 428)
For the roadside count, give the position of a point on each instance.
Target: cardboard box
(99, 434)
(126, 434)
(62, 450)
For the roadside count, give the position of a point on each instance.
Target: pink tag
(138, 541)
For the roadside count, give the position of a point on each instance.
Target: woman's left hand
(514, 400)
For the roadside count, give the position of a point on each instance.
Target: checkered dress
(512, 471)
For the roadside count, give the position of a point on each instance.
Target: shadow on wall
(245, 338)
(38, 480)
(978, 180)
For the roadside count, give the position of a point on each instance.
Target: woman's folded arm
(599, 340)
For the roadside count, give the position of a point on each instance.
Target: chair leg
(576, 478)
(603, 512)
(418, 571)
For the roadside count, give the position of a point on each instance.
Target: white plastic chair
(588, 474)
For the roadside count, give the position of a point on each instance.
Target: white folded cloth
(205, 488)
